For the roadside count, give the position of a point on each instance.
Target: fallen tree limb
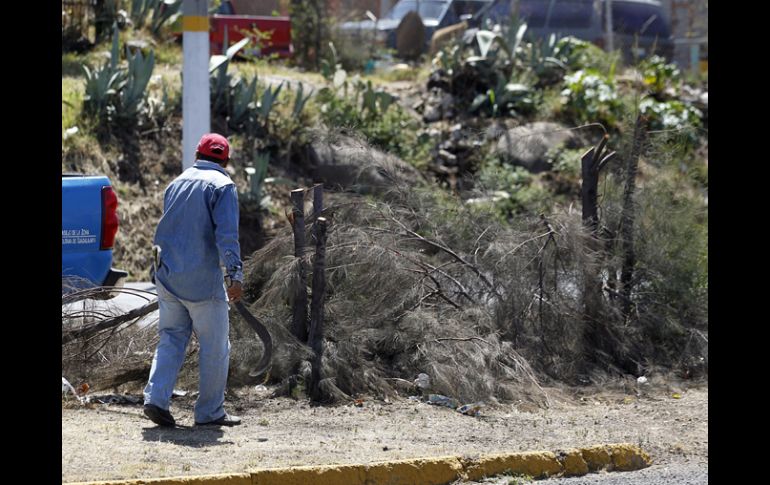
(88, 331)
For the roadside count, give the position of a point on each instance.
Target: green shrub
(512, 190)
(657, 75)
(672, 257)
(357, 105)
(158, 12)
(591, 97)
(673, 115)
(116, 96)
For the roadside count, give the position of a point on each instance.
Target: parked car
(435, 14)
(640, 27)
(89, 225)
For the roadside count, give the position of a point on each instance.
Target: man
(197, 232)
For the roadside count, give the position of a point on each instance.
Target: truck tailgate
(81, 228)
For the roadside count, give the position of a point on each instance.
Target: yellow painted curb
(573, 463)
(426, 471)
(539, 464)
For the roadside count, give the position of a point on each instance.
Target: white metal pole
(609, 32)
(196, 101)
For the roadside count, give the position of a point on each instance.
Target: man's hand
(235, 291)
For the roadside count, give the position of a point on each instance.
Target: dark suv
(640, 27)
(435, 14)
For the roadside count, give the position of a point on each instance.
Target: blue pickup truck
(89, 224)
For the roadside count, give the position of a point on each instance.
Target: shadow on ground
(194, 437)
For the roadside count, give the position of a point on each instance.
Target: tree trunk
(591, 164)
(589, 190)
(317, 307)
(318, 200)
(299, 315)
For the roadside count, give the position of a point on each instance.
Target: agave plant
(114, 94)
(102, 84)
(374, 103)
(243, 94)
(506, 98)
(163, 11)
(132, 94)
(257, 174)
(300, 100)
(139, 10)
(269, 97)
(508, 41)
(330, 66)
(222, 83)
(545, 61)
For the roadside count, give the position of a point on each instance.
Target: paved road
(670, 474)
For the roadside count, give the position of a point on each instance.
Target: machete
(267, 342)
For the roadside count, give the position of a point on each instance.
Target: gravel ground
(117, 442)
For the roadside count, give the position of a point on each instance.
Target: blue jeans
(178, 319)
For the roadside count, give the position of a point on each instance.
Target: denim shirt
(199, 232)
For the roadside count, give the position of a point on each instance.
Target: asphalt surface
(669, 474)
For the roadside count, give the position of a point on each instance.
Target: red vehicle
(272, 34)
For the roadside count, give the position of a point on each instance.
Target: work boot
(226, 420)
(159, 416)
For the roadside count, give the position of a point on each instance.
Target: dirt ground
(116, 442)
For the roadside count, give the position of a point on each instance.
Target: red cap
(214, 145)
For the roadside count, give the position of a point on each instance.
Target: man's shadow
(192, 436)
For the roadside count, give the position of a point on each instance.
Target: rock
(456, 131)
(494, 131)
(438, 106)
(348, 163)
(431, 114)
(447, 106)
(527, 145)
(447, 157)
(438, 79)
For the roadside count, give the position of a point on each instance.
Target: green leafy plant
(102, 85)
(360, 106)
(658, 75)
(579, 54)
(163, 11)
(545, 60)
(269, 98)
(591, 97)
(506, 98)
(673, 116)
(487, 77)
(115, 95)
(256, 175)
(512, 190)
(365, 102)
(133, 92)
(300, 100)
